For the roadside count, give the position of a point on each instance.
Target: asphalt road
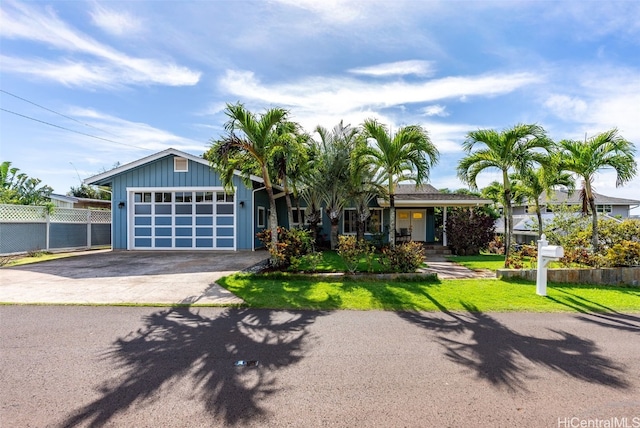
(155, 367)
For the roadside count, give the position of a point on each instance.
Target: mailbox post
(546, 253)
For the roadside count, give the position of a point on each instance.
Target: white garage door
(185, 219)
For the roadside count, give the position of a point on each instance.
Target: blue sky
(147, 75)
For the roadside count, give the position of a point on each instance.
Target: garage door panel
(224, 243)
(204, 243)
(163, 242)
(163, 219)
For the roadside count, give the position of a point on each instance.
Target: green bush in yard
(407, 257)
(292, 245)
(352, 250)
(469, 230)
(625, 253)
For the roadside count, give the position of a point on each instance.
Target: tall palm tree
(607, 150)
(248, 147)
(288, 160)
(363, 185)
(534, 182)
(408, 154)
(330, 172)
(511, 150)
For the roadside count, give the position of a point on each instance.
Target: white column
(541, 278)
(444, 226)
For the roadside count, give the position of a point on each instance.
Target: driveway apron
(118, 277)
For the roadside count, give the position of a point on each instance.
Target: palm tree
(534, 182)
(586, 158)
(512, 150)
(363, 185)
(288, 161)
(330, 173)
(248, 147)
(408, 154)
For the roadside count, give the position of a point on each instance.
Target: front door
(414, 221)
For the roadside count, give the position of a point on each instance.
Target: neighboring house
(614, 207)
(174, 200)
(64, 201)
(524, 217)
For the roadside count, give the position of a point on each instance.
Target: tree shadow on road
(599, 314)
(180, 342)
(495, 353)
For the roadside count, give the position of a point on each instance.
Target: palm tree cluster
(345, 165)
(532, 164)
(354, 165)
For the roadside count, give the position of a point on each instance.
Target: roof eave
(106, 177)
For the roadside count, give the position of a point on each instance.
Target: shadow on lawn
(179, 343)
(494, 352)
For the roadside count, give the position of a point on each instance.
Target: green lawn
(288, 291)
(482, 261)
(332, 262)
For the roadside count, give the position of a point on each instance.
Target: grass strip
(288, 291)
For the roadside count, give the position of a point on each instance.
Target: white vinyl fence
(25, 228)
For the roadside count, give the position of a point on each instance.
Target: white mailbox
(546, 253)
(552, 251)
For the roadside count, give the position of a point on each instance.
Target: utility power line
(72, 130)
(58, 113)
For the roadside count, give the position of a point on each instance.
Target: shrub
(496, 246)
(407, 257)
(351, 250)
(469, 231)
(313, 259)
(292, 245)
(625, 253)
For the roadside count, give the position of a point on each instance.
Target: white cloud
(138, 137)
(342, 11)
(96, 65)
(400, 68)
(435, 110)
(609, 98)
(568, 108)
(116, 23)
(344, 95)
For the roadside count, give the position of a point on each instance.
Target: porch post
(444, 227)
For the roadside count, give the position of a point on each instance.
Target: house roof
(425, 195)
(105, 177)
(75, 199)
(562, 196)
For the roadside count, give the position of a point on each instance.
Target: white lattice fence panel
(22, 213)
(69, 215)
(101, 217)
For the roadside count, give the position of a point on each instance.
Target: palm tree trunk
(595, 242)
(334, 232)
(539, 215)
(588, 193)
(273, 214)
(392, 221)
(287, 198)
(508, 227)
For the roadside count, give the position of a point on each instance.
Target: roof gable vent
(180, 164)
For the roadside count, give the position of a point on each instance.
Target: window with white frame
(300, 217)
(372, 225)
(604, 209)
(262, 217)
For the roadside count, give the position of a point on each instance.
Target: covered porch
(421, 212)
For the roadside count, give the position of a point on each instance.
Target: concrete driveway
(111, 277)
